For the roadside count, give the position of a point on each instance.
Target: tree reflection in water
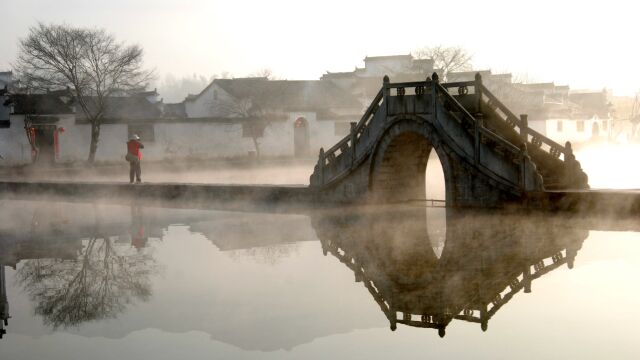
(104, 278)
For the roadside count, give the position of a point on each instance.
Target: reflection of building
(4, 303)
(483, 265)
(230, 232)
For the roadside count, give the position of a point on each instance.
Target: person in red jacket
(134, 155)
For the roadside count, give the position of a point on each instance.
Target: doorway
(44, 142)
(595, 130)
(301, 137)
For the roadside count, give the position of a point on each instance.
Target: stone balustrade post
(434, 94)
(526, 279)
(321, 166)
(353, 142)
(524, 158)
(478, 92)
(386, 91)
(477, 134)
(524, 127)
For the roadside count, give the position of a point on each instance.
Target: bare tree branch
(446, 58)
(88, 61)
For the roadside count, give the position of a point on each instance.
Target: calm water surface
(105, 281)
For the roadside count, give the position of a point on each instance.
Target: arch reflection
(485, 262)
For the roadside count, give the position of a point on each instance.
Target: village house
(6, 78)
(258, 117)
(274, 117)
(555, 111)
(230, 118)
(364, 83)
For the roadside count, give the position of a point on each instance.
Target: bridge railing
(477, 123)
(345, 149)
(481, 134)
(484, 97)
(531, 136)
(328, 158)
(347, 146)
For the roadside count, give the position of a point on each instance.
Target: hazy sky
(586, 44)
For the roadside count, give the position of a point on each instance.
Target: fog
(280, 212)
(295, 40)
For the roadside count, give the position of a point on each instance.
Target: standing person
(134, 155)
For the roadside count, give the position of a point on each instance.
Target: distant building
(33, 128)
(553, 110)
(6, 83)
(290, 117)
(364, 83)
(256, 116)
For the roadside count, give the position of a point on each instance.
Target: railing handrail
(361, 123)
(458, 84)
(482, 129)
(407, 84)
(547, 141)
(375, 103)
(517, 121)
(500, 105)
(509, 145)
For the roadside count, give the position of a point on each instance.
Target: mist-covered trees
(87, 61)
(251, 112)
(446, 58)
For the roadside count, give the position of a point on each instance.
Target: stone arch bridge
(489, 155)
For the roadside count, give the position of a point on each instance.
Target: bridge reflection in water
(482, 266)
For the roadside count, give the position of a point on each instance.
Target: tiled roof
(289, 95)
(174, 110)
(389, 57)
(38, 104)
(124, 107)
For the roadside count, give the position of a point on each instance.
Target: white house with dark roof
(247, 117)
(553, 110)
(288, 117)
(365, 82)
(230, 118)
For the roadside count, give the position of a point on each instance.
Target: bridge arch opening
(407, 166)
(435, 185)
(435, 190)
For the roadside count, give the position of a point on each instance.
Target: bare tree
(264, 72)
(90, 62)
(254, 118)
(446, 58)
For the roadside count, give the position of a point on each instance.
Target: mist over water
(611, 166)
(89, 278)
(213, 281)
(209, 281)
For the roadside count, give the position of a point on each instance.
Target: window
(253, 129)
(580, 125)
(145, 131)
(605, 124)
(559, 126)
(342, 128)
(215, 94)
